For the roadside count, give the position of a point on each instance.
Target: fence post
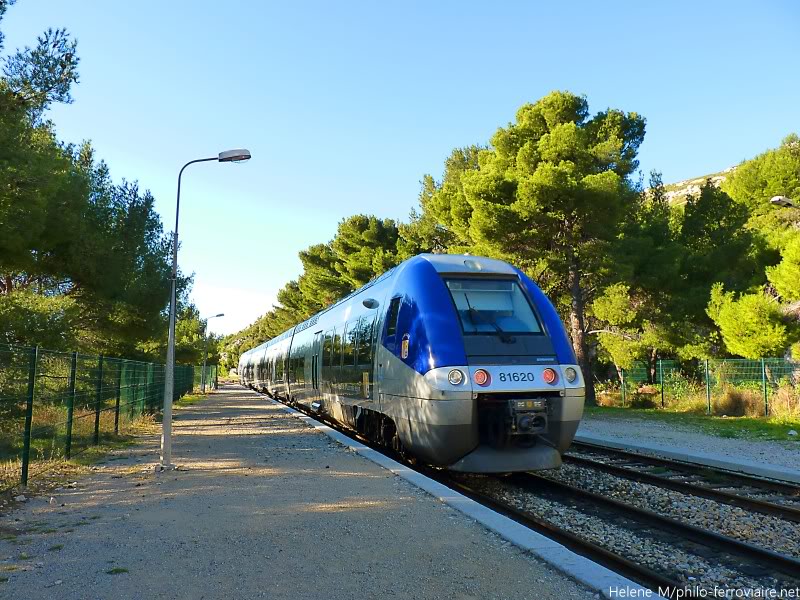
(73, 373)
(120, 366)
(764, 385)
(146, 376)
(661, 377)
(152, 389)
(708, 389)
(622, 381)
(136, 377)
(98, 399)
(26, 446)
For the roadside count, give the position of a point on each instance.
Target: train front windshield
(487, 306)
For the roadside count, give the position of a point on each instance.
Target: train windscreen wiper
(473, 312)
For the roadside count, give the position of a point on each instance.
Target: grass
(757, 428)
(189, 399)
(116, 571)
(55, 548)
(59, 470)
(48, 467)
(48, 440)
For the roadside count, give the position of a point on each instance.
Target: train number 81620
(516, 376)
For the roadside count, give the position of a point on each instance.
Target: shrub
(739, 403)
(785, 402)
(607, 398)
(642, 400)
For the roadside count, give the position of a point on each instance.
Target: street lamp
(783, 201)
(205, 352)
(236, 155)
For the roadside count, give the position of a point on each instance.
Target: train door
(316, 355)
(386, 345)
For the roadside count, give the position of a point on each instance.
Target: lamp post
(205, 352)
(169, 379)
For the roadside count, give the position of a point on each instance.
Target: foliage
(363, 248)
(84, 262)
(45, 74)
(785, 276)
(751, 325)
(26, 316)
(632, 314)
(548, 195)
(554, 193)
(772, 173)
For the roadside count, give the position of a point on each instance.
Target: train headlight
(481, 377)
(455, 377)
(571, 374)
(549, 376)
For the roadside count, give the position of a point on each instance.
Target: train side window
(365, 340)
(327, 349)
(337, 351)
(391, 319)
(349, 343)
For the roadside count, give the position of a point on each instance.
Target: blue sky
(345, 106)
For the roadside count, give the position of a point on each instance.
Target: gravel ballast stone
(261, 506)
(783, 456)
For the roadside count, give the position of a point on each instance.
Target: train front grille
(512, 418)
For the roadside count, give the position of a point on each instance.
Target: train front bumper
(444, 429)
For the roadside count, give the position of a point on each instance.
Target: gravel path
(262, 506)
(686, 439)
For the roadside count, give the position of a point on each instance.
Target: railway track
(740, 559)
(774, 498)
(751, 561)
(618, 563)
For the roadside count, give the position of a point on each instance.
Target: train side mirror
(370, 303)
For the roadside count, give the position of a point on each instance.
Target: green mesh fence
(734, 387)
(56, 405)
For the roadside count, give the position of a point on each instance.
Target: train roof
(466, 263)
(443, 263)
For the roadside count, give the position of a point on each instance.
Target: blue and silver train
(459, 361)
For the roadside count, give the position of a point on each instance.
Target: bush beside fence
(732, 387)
(56, 405)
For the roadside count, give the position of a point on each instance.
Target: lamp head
(219, 315)
(782, 201)
(237, 155)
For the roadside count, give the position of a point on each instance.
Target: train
(457, 361)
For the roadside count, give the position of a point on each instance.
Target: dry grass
(48, 443)
(739, 403)
(785, 403)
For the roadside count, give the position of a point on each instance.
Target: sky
(345, 106)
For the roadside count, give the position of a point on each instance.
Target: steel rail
(641, 574)
(696, 468)
(695, 489)
(636, 572)
(774, 560)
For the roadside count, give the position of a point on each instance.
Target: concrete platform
(710, 459)
(265, 506)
